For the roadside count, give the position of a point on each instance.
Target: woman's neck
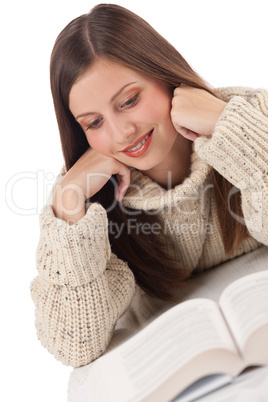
(176, 168)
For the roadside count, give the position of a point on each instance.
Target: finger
(180, 89)
(190, 135)
(123, 180)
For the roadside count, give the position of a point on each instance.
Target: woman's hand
(85, 178)
(195, 112)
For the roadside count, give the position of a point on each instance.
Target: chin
(145, 166)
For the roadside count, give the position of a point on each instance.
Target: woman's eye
(95, 124)
(130, 102)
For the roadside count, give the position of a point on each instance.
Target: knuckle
(177, 90)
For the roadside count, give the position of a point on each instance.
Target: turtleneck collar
(144, 193)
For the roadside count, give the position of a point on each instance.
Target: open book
(194, 339)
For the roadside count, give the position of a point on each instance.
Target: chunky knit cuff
(238, 147)
(76, 254)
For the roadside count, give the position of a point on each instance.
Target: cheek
(99, 142)
(94, 141)
(89, 140)
(158, 107)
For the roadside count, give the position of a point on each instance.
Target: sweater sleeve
(238, 150)
(82, 288)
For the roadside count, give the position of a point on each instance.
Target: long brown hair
(115, 33)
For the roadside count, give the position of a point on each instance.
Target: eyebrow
(112, 99)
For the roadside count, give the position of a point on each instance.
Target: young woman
(163, 177)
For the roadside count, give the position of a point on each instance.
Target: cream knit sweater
(83, 288)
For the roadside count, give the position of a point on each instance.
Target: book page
(245, 305)
(145, 361)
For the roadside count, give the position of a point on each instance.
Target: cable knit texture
(83, 288)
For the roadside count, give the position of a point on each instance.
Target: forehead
(102, 69)
(105, 72)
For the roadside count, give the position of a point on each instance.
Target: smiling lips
(140, 146)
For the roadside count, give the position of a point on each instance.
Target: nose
(122, 130)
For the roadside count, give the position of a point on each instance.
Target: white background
(224, 40)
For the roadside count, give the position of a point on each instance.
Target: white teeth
(139, 144)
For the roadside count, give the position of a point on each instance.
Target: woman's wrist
(69, 203)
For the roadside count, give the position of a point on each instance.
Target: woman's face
(124, 114)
